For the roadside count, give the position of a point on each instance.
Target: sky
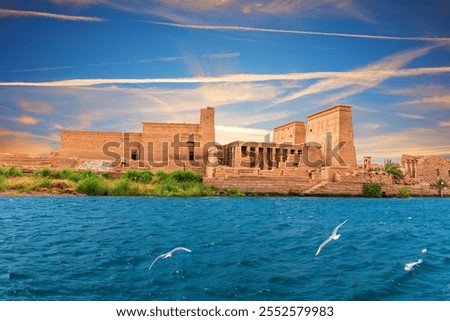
(110, 65)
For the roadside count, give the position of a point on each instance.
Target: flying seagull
(333, 237)
(169, 254)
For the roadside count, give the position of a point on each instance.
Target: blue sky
(111, 64)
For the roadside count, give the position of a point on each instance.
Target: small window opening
(134, 154)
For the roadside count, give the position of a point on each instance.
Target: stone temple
(325, 140)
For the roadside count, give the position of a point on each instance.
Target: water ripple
(94, 248)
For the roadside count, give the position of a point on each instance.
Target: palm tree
(393, 169)
(440, 184)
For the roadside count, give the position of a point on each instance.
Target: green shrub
(180, 183)
(186, 176)
(3, 171)
(45, 172)
(146, 177)
(132, 175)
(93, 186)
(161, 176)
(138, 176)
(45, 183)
(234, 192)
(65, 173)
(104, 175)
(404, 192)
(75, 177)
(166, 188)
(372, 190)
(124, 187)
(88, 173)
(14, 171)
(2, 183)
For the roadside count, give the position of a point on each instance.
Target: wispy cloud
(230, 78)
(37, 69)
(250, 117)
(24, 142)
(223, 55)
(164, 59)
(345, 8)
(37, 107)
(195, 5)
(227, 134)
(26, 120)
(194, 10)
(369, 126)
(102, 107)
(410, 116)
(364, 78)
(444, 40)
(38, 14)
(445, 100)
(444, 123)
(414, 141)
(79, 2)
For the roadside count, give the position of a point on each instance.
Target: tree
(393, 169)
(440, 184)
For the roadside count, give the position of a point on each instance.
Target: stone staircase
(315, 187)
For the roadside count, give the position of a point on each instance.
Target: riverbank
(186, 183)
(13, 182)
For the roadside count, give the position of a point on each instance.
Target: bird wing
(322, 245)
(180, 248)
(160, 256)
(337, 227)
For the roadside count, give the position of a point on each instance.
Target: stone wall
(329, 128)
(301, 181)
(429, 168)
(90, 144)
(37, 162)
(159, 145)
(293, 132)
(282, 182)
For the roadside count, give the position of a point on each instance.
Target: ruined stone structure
(327, 140)
(158, 145)
(425, 168)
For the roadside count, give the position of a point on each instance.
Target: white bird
(333, 237)
(410, 266)
(169, 254)
(424, 251)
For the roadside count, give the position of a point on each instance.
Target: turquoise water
(96, 248)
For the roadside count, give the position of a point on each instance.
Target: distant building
(167, 145)
(425, 168)
(326, 140)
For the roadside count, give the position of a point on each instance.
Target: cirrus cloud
(26, 120)
(38, 14)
